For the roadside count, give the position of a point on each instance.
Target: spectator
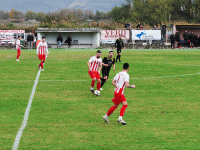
(164, 26)
(30, 40)
(127, 25)
(173, 39)
(196, 40)
(59, 40)
(186, 38)
(138, 26)
(192, 39)
(163, 33)
(69, 41)
(178, 39)
(155, 28)
(141, 27)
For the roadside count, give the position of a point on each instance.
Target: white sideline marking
(24, 123)
(108, 79)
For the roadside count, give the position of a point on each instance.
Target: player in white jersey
(41, 48)
(95, 65)
(18, 48)
(120, 81)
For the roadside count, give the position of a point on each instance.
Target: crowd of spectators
(190, 40)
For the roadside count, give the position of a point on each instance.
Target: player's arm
(128, 85)
(104, 62)
(100, 67)
(47, 49)
(113, 67)
(123, 44)
(88, 64)
(113, 64)
(114, 82)
(116, 44)
(38, 48)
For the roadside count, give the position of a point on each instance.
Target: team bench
(66, 44)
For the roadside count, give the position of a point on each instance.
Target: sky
(53, 5)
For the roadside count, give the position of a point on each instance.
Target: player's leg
(103, 80)
(122, 111)
(98, 86)
(119, 57)
(98, 81)
(110, 111)
(18, 54)
(92, 85)
(116, 101)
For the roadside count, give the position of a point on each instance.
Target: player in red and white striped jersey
(95, 65)
(41, 48)
(120, 81)
(18, 48)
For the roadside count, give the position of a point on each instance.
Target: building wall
(82, 37)
(189, 29)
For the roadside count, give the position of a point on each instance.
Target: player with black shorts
(118, 46)
(107, 64)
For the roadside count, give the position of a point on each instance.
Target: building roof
(188, 26)
(68, 30)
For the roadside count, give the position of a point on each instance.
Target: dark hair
(98, 51)
(19, 36)
(110, 51)
(43, 37)
(125, 65)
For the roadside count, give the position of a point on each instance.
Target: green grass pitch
(163, 111)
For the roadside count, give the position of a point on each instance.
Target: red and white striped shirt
(41, 48)
(120, 79)
(18, 46)
(95, 63)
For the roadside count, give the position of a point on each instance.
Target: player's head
(43, 38)
(29, 33)
(19, 37)
(98, 54)
(110, 53)
(125, 66)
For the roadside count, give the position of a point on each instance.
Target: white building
(81, 37)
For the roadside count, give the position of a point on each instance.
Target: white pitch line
(26, 115)
(108, 79)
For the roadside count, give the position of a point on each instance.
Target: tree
(40, 16)
(30, 14)
(4, 15)
(16, 14)
(120, 14)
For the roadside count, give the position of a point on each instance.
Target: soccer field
(163, 110)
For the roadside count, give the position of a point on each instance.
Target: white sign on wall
(146, 34)
(114, 34)
(9, 36)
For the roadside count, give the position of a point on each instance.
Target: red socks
(92, 85)
(18, 56)
(98, 86)
(110, 111)
(123, 110)
(41, 64)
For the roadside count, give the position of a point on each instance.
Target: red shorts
(94, 74)
(19, 51)
(118, 98)
(42, 57)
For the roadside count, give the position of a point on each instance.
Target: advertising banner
(146, 34)
(110, 36)
(8, 37)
